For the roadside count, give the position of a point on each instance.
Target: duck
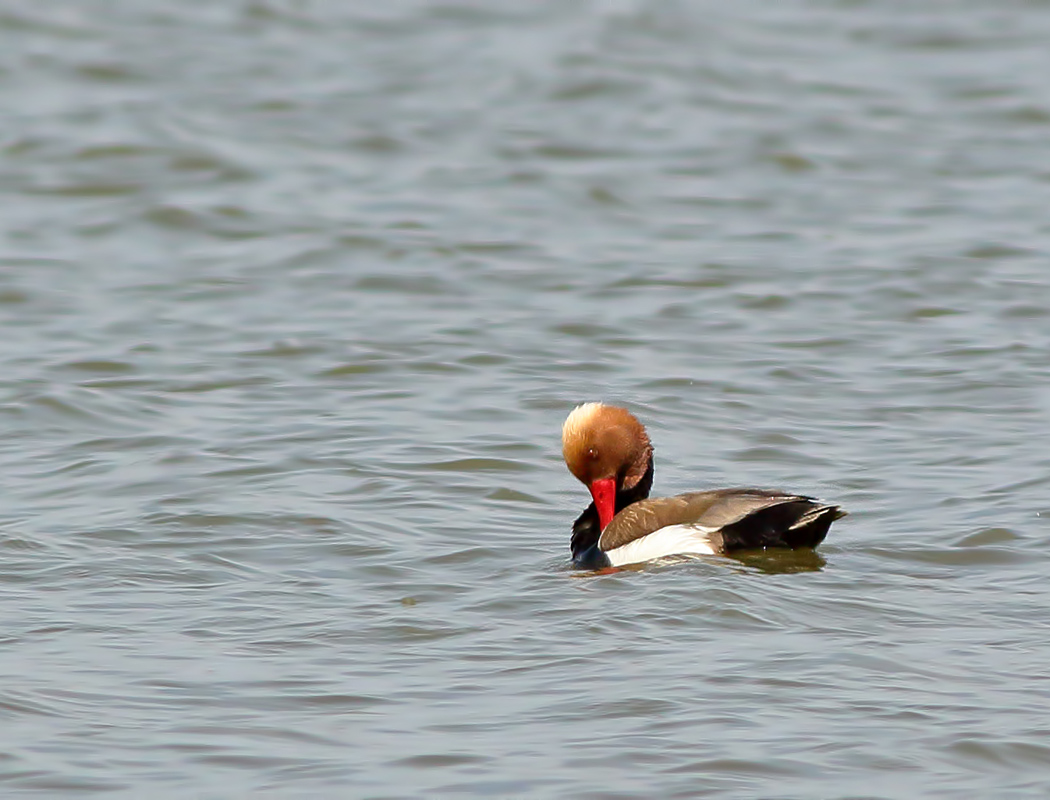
(608, 450)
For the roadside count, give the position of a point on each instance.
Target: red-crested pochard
(608, 449)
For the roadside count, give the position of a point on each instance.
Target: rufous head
(607, 449)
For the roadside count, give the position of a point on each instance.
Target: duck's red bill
(604, 494)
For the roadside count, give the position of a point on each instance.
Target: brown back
(714, 510)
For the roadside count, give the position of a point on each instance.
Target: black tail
(796, 523)
(812, 527)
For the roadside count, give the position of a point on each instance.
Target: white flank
(673, 540)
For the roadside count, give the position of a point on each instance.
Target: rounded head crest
(600, 442)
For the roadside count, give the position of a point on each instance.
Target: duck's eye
(592, 453)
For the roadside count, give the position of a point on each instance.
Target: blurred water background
(295, 295)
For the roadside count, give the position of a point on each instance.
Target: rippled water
(296, 295)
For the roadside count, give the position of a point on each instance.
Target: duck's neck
(587, 529)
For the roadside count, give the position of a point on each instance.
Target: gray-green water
(296, 295)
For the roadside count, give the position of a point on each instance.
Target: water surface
(295, 296)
